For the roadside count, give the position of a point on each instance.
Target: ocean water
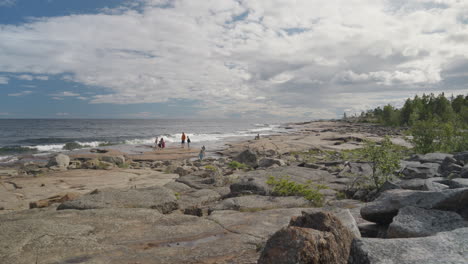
(45, 136)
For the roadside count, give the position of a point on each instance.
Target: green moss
(210, 168)
(123, 165)
(106, 144)
(177, 195)
(283, 186)
(74, 145)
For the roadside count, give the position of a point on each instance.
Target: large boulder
(386, 206)
(356, 169)
(311, 238)
(183, 170)
(248, 157)
(59, 161)
(158, 198)
(416, 170)
(417, 222)
(445, 247)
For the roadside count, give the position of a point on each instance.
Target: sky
(301, 59)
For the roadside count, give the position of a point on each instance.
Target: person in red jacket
(183, 139)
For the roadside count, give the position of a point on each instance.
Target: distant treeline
(437, 124)
(422, 108)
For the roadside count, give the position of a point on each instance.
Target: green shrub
(283, 186)
(124, 165)
(384, 159)
(433, 136)
(237, 165)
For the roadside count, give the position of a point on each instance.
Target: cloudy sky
(299, 59)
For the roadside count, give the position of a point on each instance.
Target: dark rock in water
(248, 157)
(416, 170)
(311, 238)
(431, 157)
(417, 222)
(445, 247)
(386, 206)
(158, 198)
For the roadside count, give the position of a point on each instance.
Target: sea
(42, 137)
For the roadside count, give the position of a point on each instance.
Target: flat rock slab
(258, 202)
(159, 198)
(417, 222)
(386, 206)
(446, 247)
(76, 181)
(135, 235)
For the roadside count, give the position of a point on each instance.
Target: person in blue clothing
(201, 155)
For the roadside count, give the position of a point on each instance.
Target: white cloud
(23, 93)
(42, 78)
(62, 114)
(65, 94)
(4, 114)
(57, 98)
(25, 77)
(4, 80)
(7, 3)
(226, 54)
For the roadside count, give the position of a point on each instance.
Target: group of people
(161, 144)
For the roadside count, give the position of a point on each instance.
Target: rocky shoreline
(168, 207)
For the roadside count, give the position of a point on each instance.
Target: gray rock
(60, 160)
(464, 172)
(431, 157)
(197, 198)
(357, 169)
(454, 183)
(251, 203)
(415, 170)
(248, 157)
(430, 184)
(373, 230)
(417, 222)
(158, 198)
(386, 206)
(178, 187)
(389, 186)
(462, 157)
(183, 170)
(117, 160)
(268, 162)
(445, 247)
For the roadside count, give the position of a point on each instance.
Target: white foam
(8, 159)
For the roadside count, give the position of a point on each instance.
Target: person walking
(156, 145)
(162, 144)
(188, 142)
(183, 139)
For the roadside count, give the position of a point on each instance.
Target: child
(188, 141)
(201, 155)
